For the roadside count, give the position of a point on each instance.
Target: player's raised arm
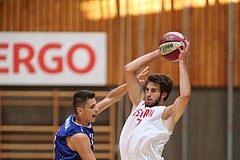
(184, 84)
(130, 71)
(174, 112)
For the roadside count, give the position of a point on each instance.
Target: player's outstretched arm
(116, 94)
(112, 97)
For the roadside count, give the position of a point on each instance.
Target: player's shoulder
(141, 104)
(80, 135)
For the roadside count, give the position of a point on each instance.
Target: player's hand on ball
(184, 52)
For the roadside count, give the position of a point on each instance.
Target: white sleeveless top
(143, 135)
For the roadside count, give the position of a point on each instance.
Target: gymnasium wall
(206, 127)
(135, 27)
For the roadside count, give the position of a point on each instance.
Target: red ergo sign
(53, 61)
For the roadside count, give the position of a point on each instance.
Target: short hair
(81, 97)
(165, 83)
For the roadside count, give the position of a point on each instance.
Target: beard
(155, 103)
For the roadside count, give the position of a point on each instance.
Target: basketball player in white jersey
(151, 123)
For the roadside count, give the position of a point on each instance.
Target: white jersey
(143, 136)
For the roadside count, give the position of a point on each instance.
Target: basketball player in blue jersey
(151, 122)
(74, 140)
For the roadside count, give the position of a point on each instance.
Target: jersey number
(139, 121)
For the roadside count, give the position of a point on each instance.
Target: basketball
(168, 45)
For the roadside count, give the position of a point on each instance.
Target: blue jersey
(69, 128)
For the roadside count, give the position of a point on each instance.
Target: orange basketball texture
(168, 45)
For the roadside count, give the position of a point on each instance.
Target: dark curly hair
(165, 83)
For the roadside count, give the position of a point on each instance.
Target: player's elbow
(128, 68)
(186, 95)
